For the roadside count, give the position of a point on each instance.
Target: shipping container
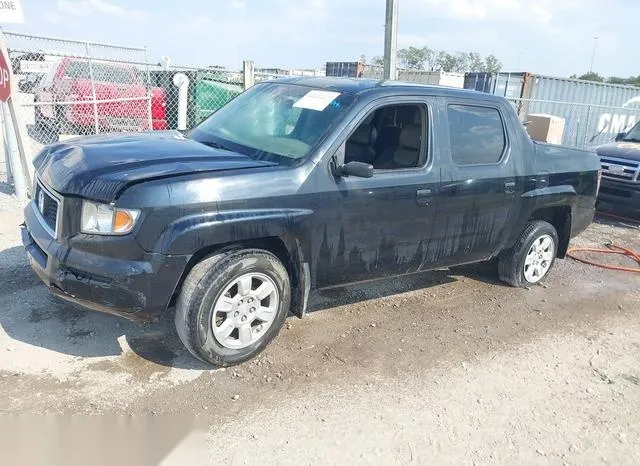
(345, 69)
(433, 78)
(593, 112)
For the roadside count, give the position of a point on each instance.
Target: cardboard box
(545, 128)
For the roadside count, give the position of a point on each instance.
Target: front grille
(47, 205)
(615, 192)
(620, 169)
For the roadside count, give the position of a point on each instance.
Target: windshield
(101, 72)
(633, 134)
(282, 123)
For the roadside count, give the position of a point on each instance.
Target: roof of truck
(361, 85)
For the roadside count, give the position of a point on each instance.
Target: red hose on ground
(612, 249)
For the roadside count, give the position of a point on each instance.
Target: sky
(552, 37)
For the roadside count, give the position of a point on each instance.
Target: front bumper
(620, 195)
(136, 289)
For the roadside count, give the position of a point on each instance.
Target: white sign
(11, 11)
(316, 100)
(615, 123)
(28, 66)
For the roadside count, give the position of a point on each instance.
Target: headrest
(363, 135)
(410, 136)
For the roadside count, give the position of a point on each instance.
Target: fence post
(585, 135)
(149, 87)
(93, 90)
(14, 159)
(5, 148)
(247, 74)
(16, 140)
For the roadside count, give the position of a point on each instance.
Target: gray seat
(407, 153)
(359, 147)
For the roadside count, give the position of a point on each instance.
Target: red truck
(120, 93)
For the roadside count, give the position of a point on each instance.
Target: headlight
(104, 219)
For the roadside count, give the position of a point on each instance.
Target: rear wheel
(232, 305)
(529, 261)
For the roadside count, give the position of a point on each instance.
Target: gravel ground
(444, 367)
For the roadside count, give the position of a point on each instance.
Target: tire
(213, 283)
(512, 266)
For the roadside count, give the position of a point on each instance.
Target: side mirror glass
(359, 169)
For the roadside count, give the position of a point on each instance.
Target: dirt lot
(446, 367)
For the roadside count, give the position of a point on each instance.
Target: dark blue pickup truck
(620, 160)
(294, 186)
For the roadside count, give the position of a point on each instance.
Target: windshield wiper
(631, 139)
(216, 145)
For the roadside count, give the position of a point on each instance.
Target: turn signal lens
(123, 221)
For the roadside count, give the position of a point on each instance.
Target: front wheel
(232, 305)
(529, 261)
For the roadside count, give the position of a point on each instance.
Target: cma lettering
(615, 123)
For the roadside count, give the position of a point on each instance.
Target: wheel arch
(561, 219)
(555, 205)
(286, 248)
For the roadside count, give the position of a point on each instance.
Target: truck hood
(100, 167)
(623, 150)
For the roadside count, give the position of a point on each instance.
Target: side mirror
(359, 169)
(620, 136)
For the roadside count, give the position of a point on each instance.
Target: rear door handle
(510, 187)
(423, 197)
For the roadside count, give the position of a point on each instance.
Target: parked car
(621, 171)
(119, 90)
(297, 185)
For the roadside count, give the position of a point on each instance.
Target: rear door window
(476, 134)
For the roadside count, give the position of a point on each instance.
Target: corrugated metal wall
(594, 112)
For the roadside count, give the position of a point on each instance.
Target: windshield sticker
(316, 100)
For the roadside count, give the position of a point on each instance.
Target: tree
(492, 64)
(476, 63)
(617, 80)
(632, 81)
(446, 62)
(592, 76)
(415, 58)
(424, 58)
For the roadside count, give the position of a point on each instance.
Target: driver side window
(390, 137)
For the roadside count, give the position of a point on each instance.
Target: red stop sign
(5, 85)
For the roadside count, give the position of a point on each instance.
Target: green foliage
(592, 76)
(424, 58)
(377, 61)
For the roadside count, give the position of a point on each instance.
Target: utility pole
(593, 53)
(391, 40)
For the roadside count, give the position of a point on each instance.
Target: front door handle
(510, 187)
(423, 197)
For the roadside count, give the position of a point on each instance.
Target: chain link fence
(582, 125)
(69, 88)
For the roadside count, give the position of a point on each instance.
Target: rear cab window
(476, 134)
